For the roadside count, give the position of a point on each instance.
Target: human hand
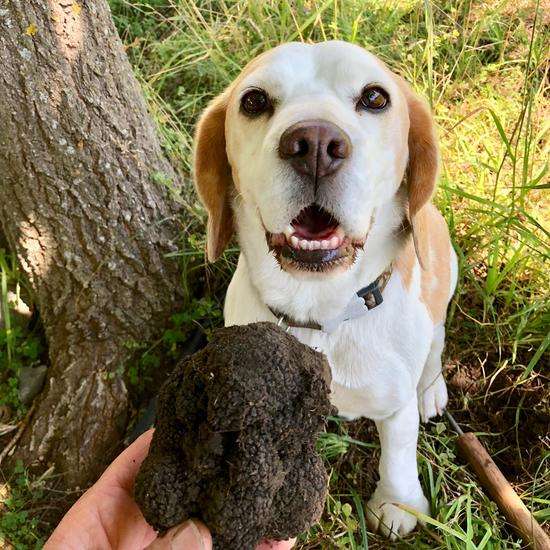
(106, 515)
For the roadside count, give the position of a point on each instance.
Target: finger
(276, 544)
(191, 535)
(124, 468)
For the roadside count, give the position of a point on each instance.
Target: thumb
(191, 535)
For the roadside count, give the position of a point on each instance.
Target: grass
(482, 65)
(21, 343)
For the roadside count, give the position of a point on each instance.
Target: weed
(17, 524)
(19, 346)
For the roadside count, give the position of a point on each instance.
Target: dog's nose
(315, 148)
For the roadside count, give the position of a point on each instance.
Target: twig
(7, 428)
(17, 436)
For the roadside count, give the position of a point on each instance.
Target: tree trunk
(81, 204)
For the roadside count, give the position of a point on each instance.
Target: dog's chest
(376, 360)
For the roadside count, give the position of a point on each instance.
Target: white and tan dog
(323, 161)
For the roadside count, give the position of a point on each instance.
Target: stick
(18, 435)
(502, 492)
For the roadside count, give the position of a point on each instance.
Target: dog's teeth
(288, 231)
(339, 232)
(315, 245)
(336, 241)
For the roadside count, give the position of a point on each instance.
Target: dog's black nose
(315, 148)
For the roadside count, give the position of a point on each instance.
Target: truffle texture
(234, 443)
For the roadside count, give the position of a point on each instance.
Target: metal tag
(355, 309)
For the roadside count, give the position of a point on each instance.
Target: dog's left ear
(423, 162)
(212, 176)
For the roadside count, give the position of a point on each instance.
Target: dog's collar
(363, 300)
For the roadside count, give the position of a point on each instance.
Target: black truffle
(235, 439)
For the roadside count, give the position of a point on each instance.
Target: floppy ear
(212, 176)
(423, 163)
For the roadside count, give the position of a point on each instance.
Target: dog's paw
(432, 399)
(390, 520)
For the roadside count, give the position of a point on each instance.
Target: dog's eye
(373, 98)
(255, 102)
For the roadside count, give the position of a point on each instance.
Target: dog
(323, 162)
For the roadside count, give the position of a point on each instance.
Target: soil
(516, 413)
(235, 439)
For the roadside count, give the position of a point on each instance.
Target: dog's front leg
(398, 474)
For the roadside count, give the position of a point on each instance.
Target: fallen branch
(7, 428)
(22, 425)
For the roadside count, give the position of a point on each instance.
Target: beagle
(323, 162)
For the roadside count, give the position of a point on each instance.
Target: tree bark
(81, 205)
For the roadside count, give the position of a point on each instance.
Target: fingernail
(188, 536)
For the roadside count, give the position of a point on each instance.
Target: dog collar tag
(356, 308)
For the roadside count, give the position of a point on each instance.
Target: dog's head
(315, 138)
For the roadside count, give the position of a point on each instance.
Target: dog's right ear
(212, 176)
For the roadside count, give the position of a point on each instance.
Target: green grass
(18, 522)
(482, 65)
(19, 345)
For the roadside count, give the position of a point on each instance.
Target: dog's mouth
(314, 241)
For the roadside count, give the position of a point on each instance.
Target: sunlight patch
(69, 27)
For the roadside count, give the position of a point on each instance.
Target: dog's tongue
(314, 223)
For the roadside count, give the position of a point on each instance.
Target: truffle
(235, 436)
